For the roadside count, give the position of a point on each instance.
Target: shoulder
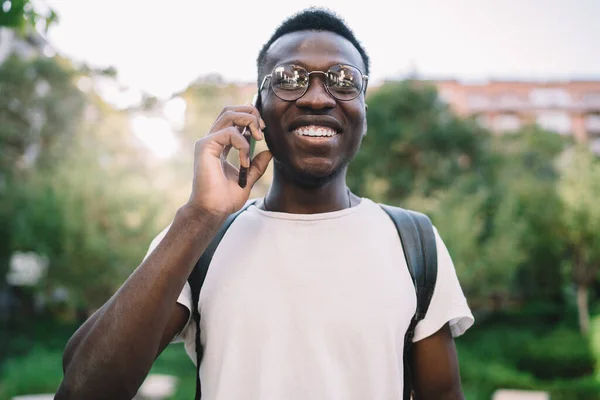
(402, 215)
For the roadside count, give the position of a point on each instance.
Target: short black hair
(317, 19)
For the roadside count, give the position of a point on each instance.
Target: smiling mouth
(315, 131)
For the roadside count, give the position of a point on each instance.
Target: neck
(289, 197)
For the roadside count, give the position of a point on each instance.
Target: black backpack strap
(420, 251)
(196, 279)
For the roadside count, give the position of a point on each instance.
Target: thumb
(258, 166)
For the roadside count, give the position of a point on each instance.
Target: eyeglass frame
(365, 80)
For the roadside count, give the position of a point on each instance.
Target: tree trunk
(582, 309)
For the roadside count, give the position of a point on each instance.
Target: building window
(556, 121)
(507, 122)
(509, 100)
(592, 99)
(550, 97)
(478, 101)
(592, 124)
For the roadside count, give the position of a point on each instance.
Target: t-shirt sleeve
(448, 304)
(185, 297)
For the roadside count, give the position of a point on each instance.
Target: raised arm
(112, 352)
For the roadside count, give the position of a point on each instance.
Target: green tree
(483, 235)
(502, 231)
(579, 190)
(40, 108)
(414, 142)
(22, 15)
(493, 198)
(75, 185)
(40, 105)
(527, 172)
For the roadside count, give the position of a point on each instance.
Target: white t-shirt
(313, 306)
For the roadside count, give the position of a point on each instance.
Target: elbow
(453, 394)
(68, 389)
(456, 395)
(76, 388)
(82, 380)
(65, 392)
(448, 394)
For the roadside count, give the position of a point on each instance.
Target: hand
(215, 188)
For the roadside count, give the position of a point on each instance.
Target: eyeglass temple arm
(264, 82)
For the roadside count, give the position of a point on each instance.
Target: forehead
(316, 50)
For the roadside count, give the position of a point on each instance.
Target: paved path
(520, 395)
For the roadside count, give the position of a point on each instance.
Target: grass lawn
(492, 356)
(31, 357)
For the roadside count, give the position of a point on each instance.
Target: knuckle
(231, 130)
(242, 144)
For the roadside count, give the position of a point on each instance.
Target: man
(308, 295)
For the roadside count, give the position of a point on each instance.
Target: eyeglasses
(290, 82)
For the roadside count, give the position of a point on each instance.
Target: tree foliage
(493, 198)
(76, 185)
(413, 141)
(22, 15)
(579, 190)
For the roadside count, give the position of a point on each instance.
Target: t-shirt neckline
(308, 217)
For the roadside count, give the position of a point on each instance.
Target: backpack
(418, 241)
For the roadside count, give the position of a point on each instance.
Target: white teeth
(316, 131)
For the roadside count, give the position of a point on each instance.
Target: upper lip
(318, 120)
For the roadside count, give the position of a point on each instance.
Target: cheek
(271, 113)
(357, 118)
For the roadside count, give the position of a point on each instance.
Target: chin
(310, 176)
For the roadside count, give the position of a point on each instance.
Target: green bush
(580, 389)
(512, 351)
(40, 371)
(482, 375)
(561, 354)
(175, 361)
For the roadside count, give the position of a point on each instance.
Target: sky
(160, 46)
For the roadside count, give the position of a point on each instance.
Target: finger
(231, 172)
(216, 143)
(246, 108)
(258, 167)
(241, 120)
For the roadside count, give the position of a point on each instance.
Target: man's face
(291, 125)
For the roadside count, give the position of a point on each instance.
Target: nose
(316, 96)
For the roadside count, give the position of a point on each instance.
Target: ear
(365, 126)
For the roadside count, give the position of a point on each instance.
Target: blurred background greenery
(81, 197)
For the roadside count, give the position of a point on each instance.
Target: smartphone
(243, 177)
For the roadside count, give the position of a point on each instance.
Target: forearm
(112, 353)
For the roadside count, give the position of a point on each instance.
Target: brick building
(567, 107)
